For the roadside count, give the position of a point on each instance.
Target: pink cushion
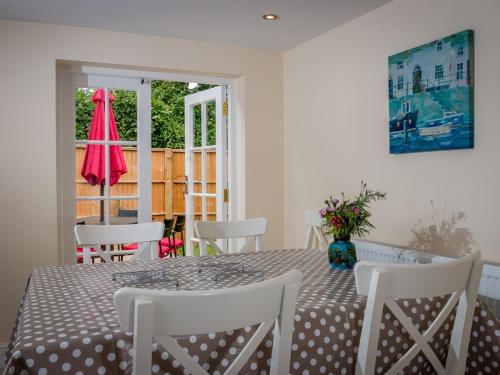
(132, 246)
(170, 242)
(167, 250)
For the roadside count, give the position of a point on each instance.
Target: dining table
(67, 322)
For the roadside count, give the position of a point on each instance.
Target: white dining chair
(315, 239)
(385, 283)
(166, 314)
(146, 235)
(208, 232)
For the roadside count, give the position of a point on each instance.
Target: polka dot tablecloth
(67, 322)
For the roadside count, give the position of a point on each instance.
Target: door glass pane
(197, 126)
(211, 209)
(210, 165)
(84, 109)
(123, 158)
(83, 188)
(124, 108)
(125, 114)
(197, 171)
(123, 211)
(211, 129)
(178, 185)
(197, 208)
(89, 211)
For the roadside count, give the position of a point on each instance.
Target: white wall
(336, 132)
(28, 196)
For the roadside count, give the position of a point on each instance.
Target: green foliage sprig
(345, 217)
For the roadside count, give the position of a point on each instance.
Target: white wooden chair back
(252, 230)
(146, 235)
(315, 239)
(384, 283)
(164, 314)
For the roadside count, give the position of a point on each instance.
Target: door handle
(186, 189)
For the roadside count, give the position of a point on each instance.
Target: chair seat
(174, 243)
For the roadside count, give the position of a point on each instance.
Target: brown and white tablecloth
(68, 324)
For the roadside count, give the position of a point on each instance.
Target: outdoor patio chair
(167, 243)
(166, 314)
(252, 230)
(315, 239)
(95, 236)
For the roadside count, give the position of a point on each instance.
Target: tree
(167, 114)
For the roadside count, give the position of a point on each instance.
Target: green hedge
(167, 114)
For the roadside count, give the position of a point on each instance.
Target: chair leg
(183, 245)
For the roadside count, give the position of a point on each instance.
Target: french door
(205, 140)
(138, 197)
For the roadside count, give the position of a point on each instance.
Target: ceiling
(228, 21)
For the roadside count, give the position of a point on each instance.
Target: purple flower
(331, 209)
(356, 211)
(323, 211)
(335, 201)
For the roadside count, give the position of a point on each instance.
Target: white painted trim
(152, 75)
(218, 95)
(144, 178)
(69, 78)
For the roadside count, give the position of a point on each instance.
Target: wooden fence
(167, 175)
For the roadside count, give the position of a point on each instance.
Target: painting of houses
(431, 96)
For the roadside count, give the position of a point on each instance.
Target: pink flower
(356, 211)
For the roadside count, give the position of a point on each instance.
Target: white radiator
(490, 280)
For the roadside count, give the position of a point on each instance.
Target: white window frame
(400, 83)
(438, 72)
(460, 70)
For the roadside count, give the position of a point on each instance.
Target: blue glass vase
(342, 254)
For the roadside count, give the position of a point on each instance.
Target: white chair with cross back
(208, 232)
(315, 239)
(385, 283)
(146, 235)
(166, 314)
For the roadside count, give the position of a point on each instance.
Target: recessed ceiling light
(270, 17)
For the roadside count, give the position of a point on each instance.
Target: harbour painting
(431, 96)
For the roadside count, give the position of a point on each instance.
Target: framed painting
(431, 96)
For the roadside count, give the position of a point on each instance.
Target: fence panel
(168, 184)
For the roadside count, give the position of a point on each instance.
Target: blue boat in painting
(431, 95)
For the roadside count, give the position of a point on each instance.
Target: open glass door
(205, 138)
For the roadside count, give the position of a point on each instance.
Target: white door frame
(70, 76)
(218, 95)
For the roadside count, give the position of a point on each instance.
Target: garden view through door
(130, 200)
(205, 138)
